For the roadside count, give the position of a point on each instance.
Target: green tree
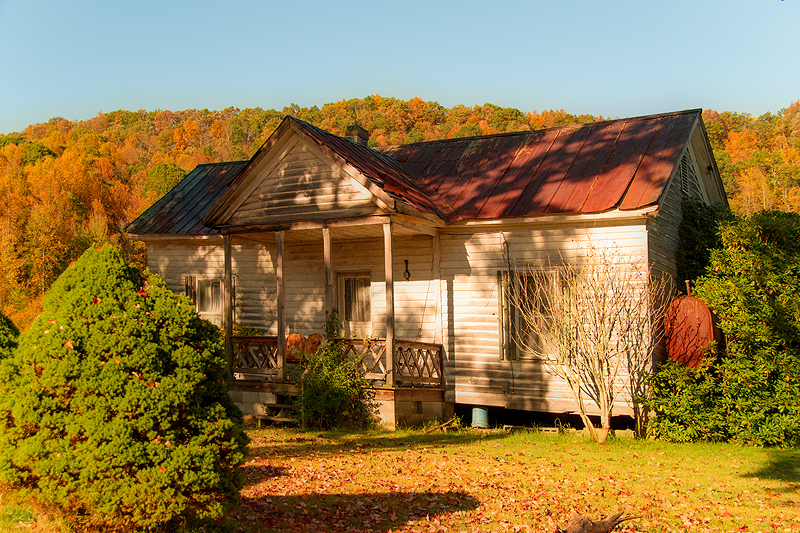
(163, 177)
(698, 236)
(114, 406)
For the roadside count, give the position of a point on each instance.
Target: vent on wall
(688, 176)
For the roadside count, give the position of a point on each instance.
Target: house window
(355, 302)
(207, 297)
(524, 309)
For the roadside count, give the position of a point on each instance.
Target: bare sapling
(593, 322)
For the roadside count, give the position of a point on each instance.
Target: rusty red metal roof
(617, 164)
(589, 168)
(180, 210)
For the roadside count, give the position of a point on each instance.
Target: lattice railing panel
(370, 357)
(418, 363)
(255, 355)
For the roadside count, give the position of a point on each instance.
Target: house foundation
(397, 407)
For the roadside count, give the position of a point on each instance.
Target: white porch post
(437, 283)
(327, 258)
(281, 304)
(388, 259)
(227, 304)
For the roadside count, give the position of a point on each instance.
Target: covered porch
(313, 264)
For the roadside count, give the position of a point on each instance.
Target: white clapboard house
(409, 244)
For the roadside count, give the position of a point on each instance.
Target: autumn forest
(66, 185)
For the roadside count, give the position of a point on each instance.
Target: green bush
(684, 406)
(752, 283)
(8, 336)
(698, 234)
(114, 406)
(333, 393)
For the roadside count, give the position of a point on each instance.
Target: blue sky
(613, 58)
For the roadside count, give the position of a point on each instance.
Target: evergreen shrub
(750, 393)
(114, 406)
(8, 336)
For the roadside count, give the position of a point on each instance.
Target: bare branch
(593, 323)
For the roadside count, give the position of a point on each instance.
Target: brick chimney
(357, 134)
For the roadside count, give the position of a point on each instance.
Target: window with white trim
(355, 302)
(207, 297)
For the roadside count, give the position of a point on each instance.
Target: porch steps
(278, 412)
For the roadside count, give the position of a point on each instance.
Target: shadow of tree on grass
(375, 512)
(782, 465)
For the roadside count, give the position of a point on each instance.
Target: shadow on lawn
(304, 442)
(782, 465)
(378, 512)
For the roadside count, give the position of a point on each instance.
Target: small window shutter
(507, 317)
(190, 287)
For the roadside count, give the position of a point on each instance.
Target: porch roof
(181, 210)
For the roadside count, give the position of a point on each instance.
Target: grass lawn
(479, 480)
(488, 480)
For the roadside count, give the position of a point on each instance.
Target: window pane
(356, 300)
(208, 296)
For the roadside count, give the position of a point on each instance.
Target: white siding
(415, 300)
(470, 262)
(173, 261)
(302, 187)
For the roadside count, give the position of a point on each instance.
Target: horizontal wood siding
(255, 282)
(253, 273)
(474, 372)
(415, 300)
(303, 187)
(173, 261)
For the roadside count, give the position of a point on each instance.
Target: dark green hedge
(750, 393)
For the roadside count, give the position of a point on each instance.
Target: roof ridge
(542, 131)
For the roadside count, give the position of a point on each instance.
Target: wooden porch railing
(416, 363)
(255, 355)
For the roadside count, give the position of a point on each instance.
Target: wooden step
(279, 406)
(283, 419)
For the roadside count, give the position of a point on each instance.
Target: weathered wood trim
(409, 210)
(281, 303)
(499, 224)
(416, 225)
(388, 260)
(305, 224)
(328, 260)
(173, 237)
(227, 302)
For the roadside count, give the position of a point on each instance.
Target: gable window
(525, 310)
(207, 297)
(355, 302)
